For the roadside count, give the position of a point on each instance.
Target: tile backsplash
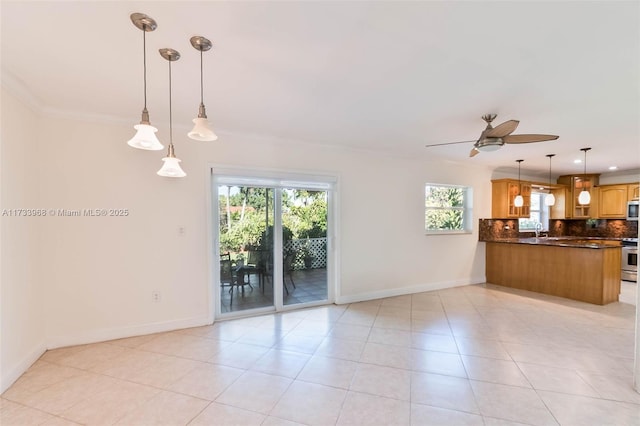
(605, 228)
(493, 229)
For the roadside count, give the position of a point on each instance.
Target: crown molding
(15, 86)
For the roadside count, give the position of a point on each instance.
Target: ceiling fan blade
(448, 143)
(474, 152)
(528, 138)
(503, 129)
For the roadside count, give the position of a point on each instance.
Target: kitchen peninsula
(584, 269)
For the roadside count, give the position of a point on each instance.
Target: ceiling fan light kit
(489, 144)
(145, 137)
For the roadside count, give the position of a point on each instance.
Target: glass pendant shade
(171, 168)
(584, 197)
(145, 138)
(202, 130)
(549, 200)
(518, 201)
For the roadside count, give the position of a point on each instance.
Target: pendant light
(518, 201)
(145, 137)
(171, 166)
(550, 199)
(584, 197)
(202, 128)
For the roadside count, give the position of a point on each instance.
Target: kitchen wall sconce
(171, 166)
(519, 201)
(202, 128)
(550, 199)
(584, 197)
(145, 137)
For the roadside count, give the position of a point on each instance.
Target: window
(539, 213)
(447, 209)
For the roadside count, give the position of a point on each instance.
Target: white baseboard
(103, 335)
(11, 374)
(401, 291)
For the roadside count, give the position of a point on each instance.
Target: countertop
(576, 242)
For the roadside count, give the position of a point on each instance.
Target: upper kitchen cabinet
(503, 194)
(559, 208)
(633, 191)
(573, 208)
(613, 201)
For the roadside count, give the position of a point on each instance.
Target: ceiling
(386, 76)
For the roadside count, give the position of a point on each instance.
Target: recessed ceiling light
(578, 161)
(613, 168)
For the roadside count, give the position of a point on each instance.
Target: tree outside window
(447, 209)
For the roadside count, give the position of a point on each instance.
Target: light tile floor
(480, 354)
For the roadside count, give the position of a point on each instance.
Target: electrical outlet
(155, 296)
(181, 230)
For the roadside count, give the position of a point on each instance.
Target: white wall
(22, 333)
(96, 274)
(619, 177)
(101, 271)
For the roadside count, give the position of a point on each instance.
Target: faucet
(538, 228)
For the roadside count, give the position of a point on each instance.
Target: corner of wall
(12, 373)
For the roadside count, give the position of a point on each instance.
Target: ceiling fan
(492, 138)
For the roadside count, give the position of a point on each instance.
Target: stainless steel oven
(630, 259)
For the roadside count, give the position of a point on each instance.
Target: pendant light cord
(201, 81)
(519, 185)
(144, 62)
(170, 112)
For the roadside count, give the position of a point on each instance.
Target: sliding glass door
(272, 244)
(245, 235)
(304, 245)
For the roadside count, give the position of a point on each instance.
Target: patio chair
(256, 261)
(231, 276)
(287, 268)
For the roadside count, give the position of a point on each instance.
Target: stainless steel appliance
(632, 210)
(629, 259)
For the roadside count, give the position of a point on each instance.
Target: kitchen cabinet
(503, 194)
(612, 201)
(576, 183)
(558, 210)
(633, 191)
(585, 272)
